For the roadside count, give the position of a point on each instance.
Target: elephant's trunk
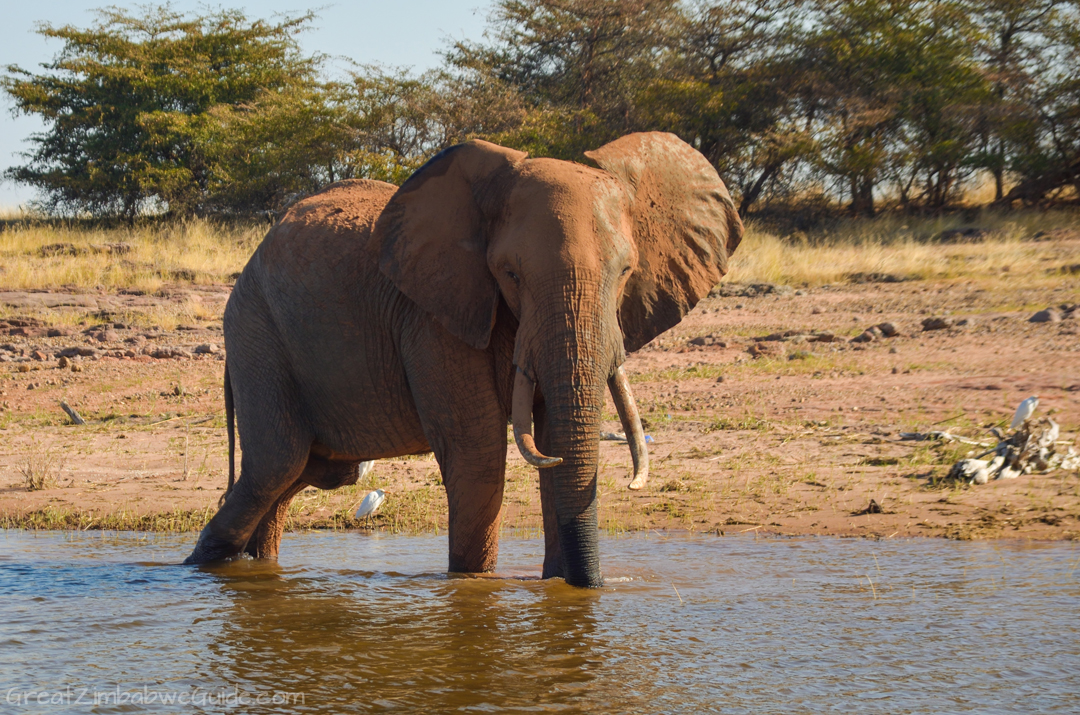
(573, 400)
(631, 423)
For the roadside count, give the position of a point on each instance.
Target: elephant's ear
(685, 227)
(433, 242)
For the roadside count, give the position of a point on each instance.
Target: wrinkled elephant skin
(375, 322)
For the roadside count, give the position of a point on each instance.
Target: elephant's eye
(625, 271)
(513, 276)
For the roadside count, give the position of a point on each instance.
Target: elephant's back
(350, 206)
(322, 243)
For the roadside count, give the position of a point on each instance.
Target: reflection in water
(360, 623)
(424, 642)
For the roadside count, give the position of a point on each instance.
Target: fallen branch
(936, 434)
(75, 418)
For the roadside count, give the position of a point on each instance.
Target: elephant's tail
(230, 414)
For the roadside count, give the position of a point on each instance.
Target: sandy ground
(774, 436)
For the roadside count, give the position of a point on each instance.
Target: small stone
(212, 348)
(76, 367)
(826, 336)
(766, 349)
(28, 332)
(107, 336)
(738, 306)
(694, 341)
(130, 353)
(39, 356)
(56, 333)
(942, 323)
(893, 350)
(24, 368)
(78, 350)
(896, 371)
(867, 336)
(720, 379)
(63, 362)
(1050, 315)
(170, 353)
(815, 310)
(888, 330)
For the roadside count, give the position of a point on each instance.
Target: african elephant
(375, 322)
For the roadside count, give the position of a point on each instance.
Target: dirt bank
(790, 435)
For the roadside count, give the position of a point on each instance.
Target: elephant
(489, 289)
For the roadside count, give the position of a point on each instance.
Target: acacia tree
(575, 64)
(743, 59)
(1016, 47)
(126, 101)
(1044, 154)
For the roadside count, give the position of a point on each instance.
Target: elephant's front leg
(474, 491)
(464, 423)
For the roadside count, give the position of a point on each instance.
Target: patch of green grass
(680, 374)
(58, 519)
(745, 422)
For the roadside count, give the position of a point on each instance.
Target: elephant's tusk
(631, 423)
(521, 414)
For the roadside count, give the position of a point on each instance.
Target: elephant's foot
(482, 562)
(211, 548)
(265, 543)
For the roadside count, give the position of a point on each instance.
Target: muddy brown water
(687, 624)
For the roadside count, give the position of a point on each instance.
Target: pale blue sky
(407, 33)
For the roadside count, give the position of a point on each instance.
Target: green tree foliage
(576, 65)
(796, 102)
(861, 99)
(127, 101)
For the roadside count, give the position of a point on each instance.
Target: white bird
(371, 503)
(364, 469)
(1024, 411)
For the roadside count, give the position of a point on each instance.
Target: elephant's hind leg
(265, 543)
(271, 466)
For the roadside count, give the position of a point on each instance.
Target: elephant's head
(592, 262)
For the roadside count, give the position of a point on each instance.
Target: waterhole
(350, 622)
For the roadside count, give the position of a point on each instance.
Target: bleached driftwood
(1033, 448)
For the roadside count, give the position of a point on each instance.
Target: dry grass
(203, 252)
(196, 251)
(164, 315)
(907, 248)
(41, 467)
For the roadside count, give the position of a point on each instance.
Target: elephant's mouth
(621, 395)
